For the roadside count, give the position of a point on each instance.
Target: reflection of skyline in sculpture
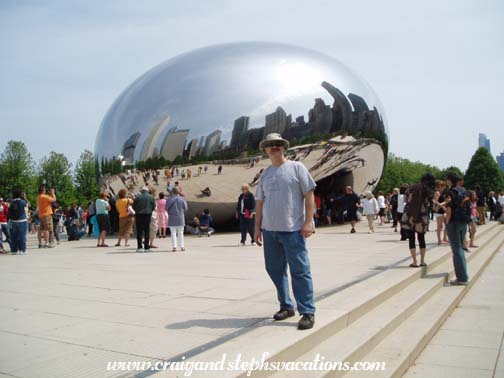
(173, 143)
(348, 114)
(218, 103)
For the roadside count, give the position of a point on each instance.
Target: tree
(86, 177)
(400, 171)
(483, 171)
(16, 167)
(55, 172)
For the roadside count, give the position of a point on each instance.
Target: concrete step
(353, 342)
(401, 348)
(351, 322)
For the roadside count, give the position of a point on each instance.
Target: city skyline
(423, 60)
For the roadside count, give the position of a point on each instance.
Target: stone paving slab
(470, 342)
(73, 308)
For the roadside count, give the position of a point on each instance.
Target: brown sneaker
(306, 322)
(284, 314)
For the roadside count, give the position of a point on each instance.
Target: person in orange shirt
(44, 205)
(126, 217)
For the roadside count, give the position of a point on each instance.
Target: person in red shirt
(4, 211)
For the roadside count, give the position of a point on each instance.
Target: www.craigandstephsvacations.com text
(240, 364)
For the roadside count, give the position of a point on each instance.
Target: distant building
(277, 122)
(500, 161)
(240, 128)
(149, 146)
(483, 141)
(128, 150)
(212, 142)
(321, 117)
(253, 138)
(173, 144)
(193, 148)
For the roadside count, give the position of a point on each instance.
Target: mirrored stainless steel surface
(218, 102)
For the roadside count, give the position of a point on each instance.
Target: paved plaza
(70, 310)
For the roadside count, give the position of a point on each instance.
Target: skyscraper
(276, 122)
(484, 142)
(212, 142)
(173, 144)
(500, 161)
(240, 128)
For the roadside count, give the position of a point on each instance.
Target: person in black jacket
(245, 212)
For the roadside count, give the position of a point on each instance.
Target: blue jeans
(246, 225)
(280, 249)
(18, 236)
(456, 233)
(5, 229)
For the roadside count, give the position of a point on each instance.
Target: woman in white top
(371, 209)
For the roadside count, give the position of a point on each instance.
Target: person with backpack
(415, 219)
(17, 217)
(458, 214)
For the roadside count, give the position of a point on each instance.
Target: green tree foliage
(400, 171)
(16, 167)
(55, 171)
(483, 171)
(86, 178)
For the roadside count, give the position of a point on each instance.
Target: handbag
(130, 210)
(248, 214)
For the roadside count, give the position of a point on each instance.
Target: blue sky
(437, 66)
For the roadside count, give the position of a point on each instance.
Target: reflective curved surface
(218, 102)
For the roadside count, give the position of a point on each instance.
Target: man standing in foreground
(284, 218)
(457, 216)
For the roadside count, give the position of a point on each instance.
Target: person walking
(351, 202)
(102, 218)
(245, 213)
(126, 217)
(176, 206)
(285, 205)
(458, 213)
(394, 202)
(144, 205)
(18, 219)
(415, 218)
(370, 209)
(382, 206)
(400, 210)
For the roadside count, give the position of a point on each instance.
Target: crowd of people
(283, 213)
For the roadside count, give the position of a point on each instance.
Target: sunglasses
(278, 143)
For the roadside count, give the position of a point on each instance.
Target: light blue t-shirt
(282, 190)
(101, 206)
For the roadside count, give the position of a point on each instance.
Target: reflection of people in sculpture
(206, 192)
(256, 177)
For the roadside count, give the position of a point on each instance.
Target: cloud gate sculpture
(212, 106)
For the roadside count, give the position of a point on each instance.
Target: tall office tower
(276, 122)
(483, 141)
(500, 161)
(240, 128)
(173, 144)
(212, 142)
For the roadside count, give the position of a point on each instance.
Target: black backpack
(461, 209)
(15, 210)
